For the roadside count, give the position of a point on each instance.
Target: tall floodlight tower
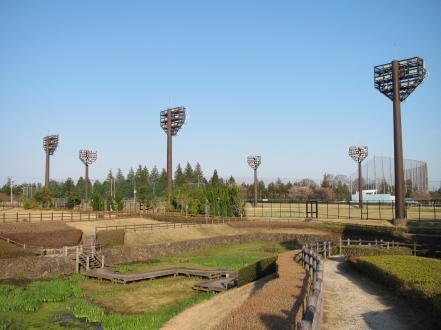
(397, 80)
(254, 162)
(88, 157)
(171, 122)
(359, 153)
(50, 144)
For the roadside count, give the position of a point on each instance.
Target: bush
(257, 270)
(29, 204)
(416, 278)
(357, 251)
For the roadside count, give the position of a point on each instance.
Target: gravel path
(265, 304)
(355, 302)
(274, 306)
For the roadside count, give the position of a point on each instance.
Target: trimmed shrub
(416, 278)
(357, 251)
(257, 270)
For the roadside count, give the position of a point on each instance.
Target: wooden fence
(10, 217)
(312, 262)
(154, 226)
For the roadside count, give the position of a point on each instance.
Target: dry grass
(142, 297)
(203, 232)
(89, 227)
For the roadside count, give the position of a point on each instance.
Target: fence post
(434, 210)
(324, 250)
(359, 242)
(102, 261)
(379, 209)
(41, 216)
(388, 245)
(338, 210)
(348, 241)
(87, 263)
(62, 217)
(4, 217)
(349, 207)
(16, 219)
(29, 217)
(71, 216)
(77, 260)
(339, 247)
(330, 248)
(376, 243)
(52, 216)
(414, 249)
(65, 251)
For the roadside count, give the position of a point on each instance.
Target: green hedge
(257, 270)
(416, 278)
(357, 251)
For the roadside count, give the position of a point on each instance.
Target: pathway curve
(355, 302)
(265, 304)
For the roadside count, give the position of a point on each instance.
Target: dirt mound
(49, 235)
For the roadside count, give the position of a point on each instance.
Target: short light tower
(359, 153)
(50, 144)
(254, 162)
(397, 80)
(172, 120)
(88, 157)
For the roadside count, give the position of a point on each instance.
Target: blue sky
(289, 80)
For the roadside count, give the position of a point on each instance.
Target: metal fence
(422, 210)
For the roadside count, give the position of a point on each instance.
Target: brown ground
(264, 304)
(49, 235)
(276, 305)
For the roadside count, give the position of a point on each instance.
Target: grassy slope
(233, 256)
(416, 278)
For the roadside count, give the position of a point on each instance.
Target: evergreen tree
(179, 180)
(189, 174)
(199, 175)
(214, 181)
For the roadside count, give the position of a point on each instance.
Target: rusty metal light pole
(171, 122)
(254, 162)
(50, 144)
(88, 157)
(397, 80)
(359, 153)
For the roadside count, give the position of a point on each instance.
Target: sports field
(330, 210)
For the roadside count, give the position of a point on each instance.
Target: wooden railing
(74, 216)
(380, 244)
(312, 262)
(157, 226)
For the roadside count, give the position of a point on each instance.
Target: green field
(77, 302)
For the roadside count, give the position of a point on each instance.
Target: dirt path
(209, 313)
(355, 302)
(264, 304)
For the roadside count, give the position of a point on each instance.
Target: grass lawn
(417, 278)
(77, 302)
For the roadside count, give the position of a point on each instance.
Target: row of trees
(193, 192)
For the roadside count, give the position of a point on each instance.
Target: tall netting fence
(378, 174)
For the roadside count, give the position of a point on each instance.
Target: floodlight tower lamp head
(254, 161)
(178, 119)
(411, 74)
(88, 157)
(358, 153)
(50, 143)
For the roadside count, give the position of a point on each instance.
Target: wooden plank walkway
(218, 280)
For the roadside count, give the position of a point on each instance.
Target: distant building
(371, 196)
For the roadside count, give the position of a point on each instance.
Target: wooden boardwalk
(218, 280)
